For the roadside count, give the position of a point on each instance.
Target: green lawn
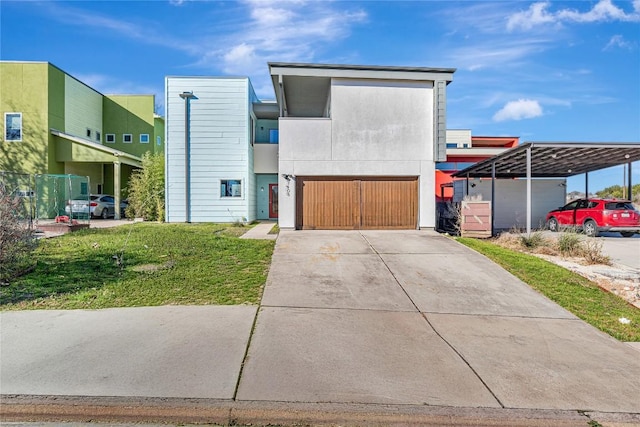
(143, 264)
(572, 291)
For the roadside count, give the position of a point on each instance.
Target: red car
(595, 215)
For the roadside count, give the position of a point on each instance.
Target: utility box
(475, 219)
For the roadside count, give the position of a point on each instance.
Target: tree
(146, 189)
(17, 239)
(619, 192)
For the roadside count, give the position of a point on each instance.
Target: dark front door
(273, 200)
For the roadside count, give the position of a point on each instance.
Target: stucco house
(343, 147)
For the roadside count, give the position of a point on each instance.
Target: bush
(569, 244)
(591, 251)
(146, 189)
(533, 240)
(17, 240)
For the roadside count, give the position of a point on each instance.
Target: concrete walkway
(261, 231)
(409, 320)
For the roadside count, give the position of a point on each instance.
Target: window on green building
(144, 138)
(13, 127)
(127, 138)
(111, 138)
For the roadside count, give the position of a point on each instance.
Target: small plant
(533, 241)
(591, 251)
(569, 244)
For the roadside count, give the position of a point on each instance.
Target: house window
(452, 145)
(84, 188)
(273, 136)
(158, 140)
(230, 188)
(97, 136)
(127, 138)
(13, 127)
(144, 138)
(88, 133)
(110, 138)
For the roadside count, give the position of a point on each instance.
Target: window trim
(124, 138)
(111, 136)
(144, 142)
(158, 140)
(6, 128)
(240, 197)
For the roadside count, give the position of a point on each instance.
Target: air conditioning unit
(236, 190)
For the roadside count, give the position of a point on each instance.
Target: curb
(26, 408)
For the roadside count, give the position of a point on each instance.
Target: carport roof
(554, 159)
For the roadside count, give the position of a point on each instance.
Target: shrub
(534, 240)
(146, 189)
(17, 240)
(569, 244)
(591, 251)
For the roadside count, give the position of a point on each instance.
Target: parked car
(103, 206)
(593, 216)
(98, 205)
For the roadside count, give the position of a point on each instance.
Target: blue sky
(543, 71)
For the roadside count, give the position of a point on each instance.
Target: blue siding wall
(220, 148)
(262, 185)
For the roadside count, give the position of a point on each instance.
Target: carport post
(586, 185)
(116, 189)
(467, 189)
(528, 190)
(629, 187)
(493, 197)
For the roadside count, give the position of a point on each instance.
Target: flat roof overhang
(302, 90)
(75, 149)
(554, 159)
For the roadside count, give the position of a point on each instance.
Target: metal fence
(62, 199)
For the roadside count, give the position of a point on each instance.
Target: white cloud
(518, 110)
(290, 31)
(539, 14)
(618, 41)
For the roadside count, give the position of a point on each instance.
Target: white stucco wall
(377, 128)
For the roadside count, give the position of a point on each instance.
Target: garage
(356, 203)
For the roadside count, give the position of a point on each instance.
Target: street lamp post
(187, 96)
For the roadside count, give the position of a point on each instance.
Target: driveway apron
(412, 317)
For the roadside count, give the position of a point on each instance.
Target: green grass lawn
(143, 264)
(572, 291)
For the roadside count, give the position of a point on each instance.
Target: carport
(551, 160)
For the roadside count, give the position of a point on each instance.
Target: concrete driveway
(412, 317)
(404, 318)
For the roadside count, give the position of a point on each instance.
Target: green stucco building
(52, 123)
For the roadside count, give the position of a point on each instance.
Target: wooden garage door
(357, 203)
